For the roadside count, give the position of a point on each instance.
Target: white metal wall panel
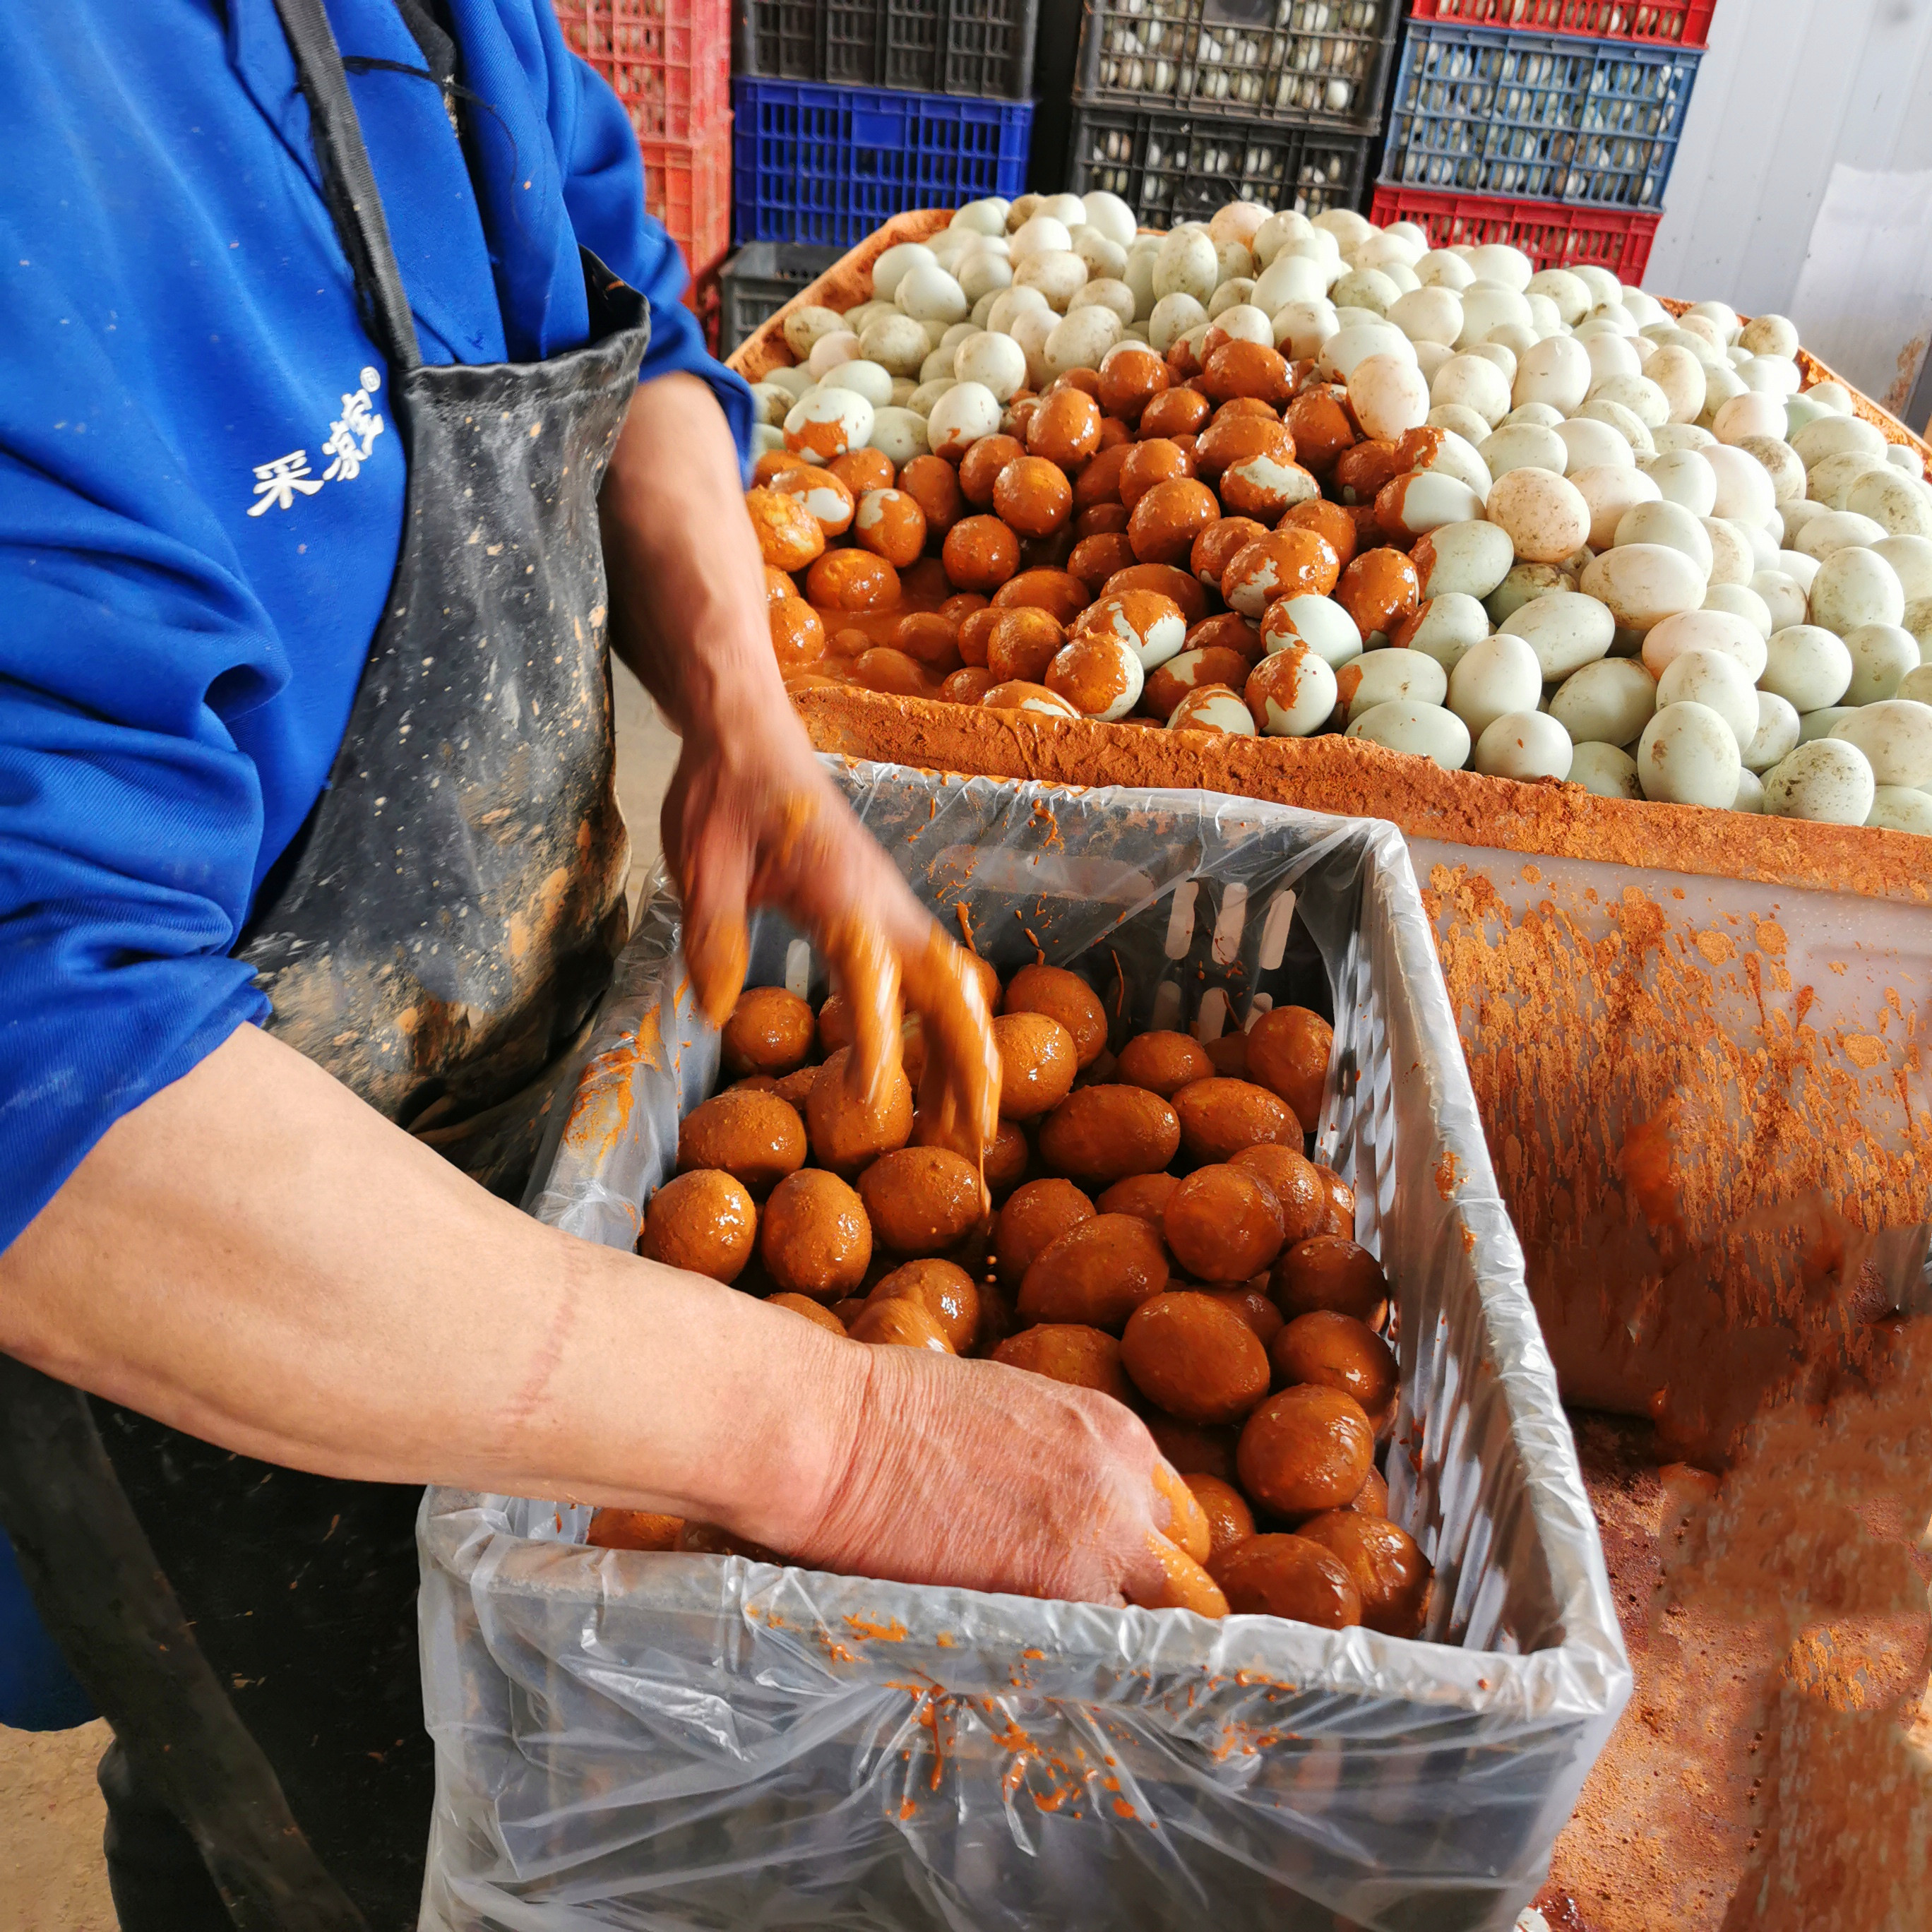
(1789, 88)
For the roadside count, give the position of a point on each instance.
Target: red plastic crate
(1681, 23)
(687, 188)
(1552, 235)
(669, 61)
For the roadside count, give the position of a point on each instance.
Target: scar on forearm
(536, 1384)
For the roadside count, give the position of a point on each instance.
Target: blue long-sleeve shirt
(199, 514)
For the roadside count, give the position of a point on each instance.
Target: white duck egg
(1524, 745)
(1882, 655)
(1715, 678)
(1502, 673)
(1566, 629)
(1895, 735)
(1545, 515)
(966, 412)
(1855, 586)
(1423, 730)
(1826, 781)
(1611, 700)
(1688, 755)
(1645, 583)
(1607, 771)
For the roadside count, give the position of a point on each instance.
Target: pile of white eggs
(1661, 572)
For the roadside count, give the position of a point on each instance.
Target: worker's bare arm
(255, 1256)
(749, 815)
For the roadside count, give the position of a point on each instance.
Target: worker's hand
(975, 1474)
(752, 818)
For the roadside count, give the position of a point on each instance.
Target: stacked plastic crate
(670, 62)
(1181, 105)
(849, 111)
(1550, 124)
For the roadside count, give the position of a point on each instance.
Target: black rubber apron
(437, 939)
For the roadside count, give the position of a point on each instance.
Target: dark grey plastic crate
(1171, 165)
(983, 47)
(1323, 64)
(759, 279)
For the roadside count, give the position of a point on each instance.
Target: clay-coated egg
(1194, 1357)
(890, 523)
(848, 1130)
(1292, 692)
(1470, 559)
(1149, 624)
(1099, 675)
(1214, 707)
(1100, 1271)
(1306, 1448)
(1290, 562)
(1389, 676)
(754, 1136)
(770, 1031)
(1444, 628)
(828, 422)
(702, 1221)
(920, 1200)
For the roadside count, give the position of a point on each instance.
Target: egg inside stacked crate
(1497, 133)
(669, 62)
(1180, 104)
(1314, 60)
(897, 1756)
(980, 47)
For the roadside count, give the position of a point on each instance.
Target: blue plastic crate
(1540, 117)
(829, 164)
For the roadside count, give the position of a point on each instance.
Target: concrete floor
(51, 1876)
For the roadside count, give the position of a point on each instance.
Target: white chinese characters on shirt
(350, 439)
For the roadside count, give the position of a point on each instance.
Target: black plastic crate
(1323, 63)
(1170, 165)
(982, 47)
(760, 278)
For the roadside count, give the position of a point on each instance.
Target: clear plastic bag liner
(658, 1741)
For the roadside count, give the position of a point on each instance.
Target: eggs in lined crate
(1616, 544)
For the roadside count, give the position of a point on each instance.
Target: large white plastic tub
(638, 1741)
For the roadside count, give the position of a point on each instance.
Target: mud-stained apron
(437, 938)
